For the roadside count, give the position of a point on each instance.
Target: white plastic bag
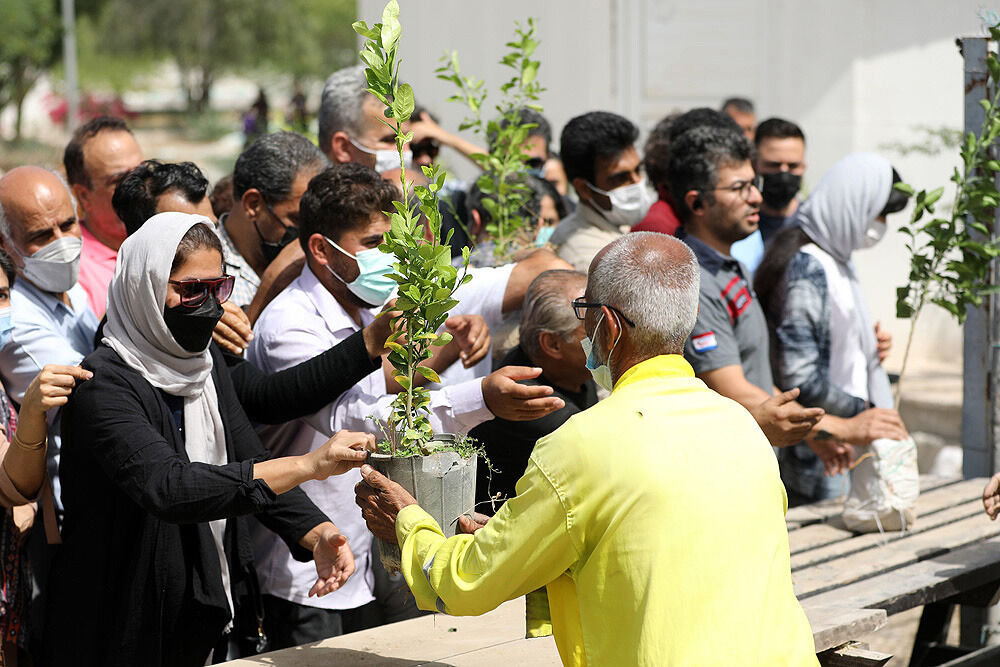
(884, 487)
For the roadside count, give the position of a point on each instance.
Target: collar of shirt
(232, 256)
(708, 257)
(333, 313)
(51, 302)
(659, 367)
(588, 216)
(95, 250)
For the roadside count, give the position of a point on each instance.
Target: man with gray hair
(626, 513)
(258, 232)
(351, 127)
(550, 338)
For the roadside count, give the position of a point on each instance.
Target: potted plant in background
(439, 470)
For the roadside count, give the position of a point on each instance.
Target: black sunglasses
(580, 310)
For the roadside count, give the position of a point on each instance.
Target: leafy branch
(427, 280)
(951, 258)
(505, 193)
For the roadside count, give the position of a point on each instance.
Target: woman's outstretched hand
(333, 558)
(345, 451)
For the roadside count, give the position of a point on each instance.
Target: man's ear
(694, 201)
(317, 248)
(550, 344)
(82, 195)
(340, 148)
(475, 224)
(252, 202)
(582, 191)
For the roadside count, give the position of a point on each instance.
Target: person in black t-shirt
(550, 339)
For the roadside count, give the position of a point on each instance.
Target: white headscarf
(836, 216)
(136, 330)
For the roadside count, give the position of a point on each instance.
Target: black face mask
(780, 188)
(271, 250)
(192, 327)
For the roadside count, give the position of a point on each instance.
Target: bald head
(36, 208)
(653, 280)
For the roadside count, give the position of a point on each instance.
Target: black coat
(137, 579)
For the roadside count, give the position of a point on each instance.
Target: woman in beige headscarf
(159, 468)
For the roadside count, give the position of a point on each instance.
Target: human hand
(51, 389)
(424, 128)
(472, 336)
(836, 456)
(883, 341)
(345, 451)
(233, 332)
(991, 496)
(784, 421)
(334, 561)
(470, 524)
(380, 500)
(508, 399)
(376, 333)
(873, 424)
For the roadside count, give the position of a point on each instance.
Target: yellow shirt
(656, 519)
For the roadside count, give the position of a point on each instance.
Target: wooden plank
(871, 562)
(834, 626)
(934, 579)
(805, 515)
(929, 503)
(495, 638)
(872, 540)
(853, 655)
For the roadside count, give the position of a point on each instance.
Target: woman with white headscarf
(160, 467)
(824, 340)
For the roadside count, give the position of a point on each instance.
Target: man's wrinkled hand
(470, 524)
(380, 500)
(472, 336)
(991, 496)
(784, 421)
(334, 562)
(508, 399)
(233, 332)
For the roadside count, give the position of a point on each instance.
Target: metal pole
(69, 60)
(980, 407)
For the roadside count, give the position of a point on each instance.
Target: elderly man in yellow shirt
(655, 518)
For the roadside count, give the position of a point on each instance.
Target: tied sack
(884, 488)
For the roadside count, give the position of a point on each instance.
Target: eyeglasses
(195, 292)
(535, 163)
(428, 148)
(580, 309)
(743, 187)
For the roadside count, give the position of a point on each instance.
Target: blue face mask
(543, 235)
(6, 325)
(600, 371)
(373, 286)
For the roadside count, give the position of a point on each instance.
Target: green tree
(304, 38)
(28, 48)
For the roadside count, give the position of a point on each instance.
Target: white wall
(855, 74)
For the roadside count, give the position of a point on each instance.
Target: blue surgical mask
(600, 371)
(543, 235)
(6, 325)
(373, 286)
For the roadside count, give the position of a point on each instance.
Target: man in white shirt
(324, 305)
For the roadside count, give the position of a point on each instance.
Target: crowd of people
(679, 352)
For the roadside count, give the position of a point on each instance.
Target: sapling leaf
(429, 374)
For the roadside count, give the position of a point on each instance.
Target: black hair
(779, 253)
(76, 171)
(221, 195)
(198, 237)
(541, 128)
(538, 187)
(695, 158)
(897, 198)
(598, 134)
(7, 265)
(340, 198)
(741, 104)
(701, 117)
(657, 150)
(271, 163)
(777, 128)
(135, 196)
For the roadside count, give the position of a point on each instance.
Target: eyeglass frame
(578, 303)
(213, 286)
(744, 189)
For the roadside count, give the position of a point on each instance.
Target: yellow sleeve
(525, 545)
